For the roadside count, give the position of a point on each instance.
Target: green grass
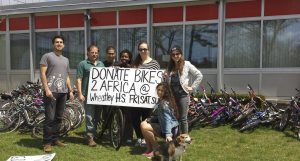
(209, 144)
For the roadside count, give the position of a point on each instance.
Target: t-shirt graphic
(57, 83)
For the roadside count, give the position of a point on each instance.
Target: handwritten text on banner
(123, 87)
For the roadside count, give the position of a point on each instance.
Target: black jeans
(54, 110)
(128, 134)
(138, 115)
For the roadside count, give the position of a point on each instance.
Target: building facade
(232, 42)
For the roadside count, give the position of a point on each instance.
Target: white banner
(46, 157)
(123, 87)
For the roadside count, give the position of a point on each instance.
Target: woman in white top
(183, 78)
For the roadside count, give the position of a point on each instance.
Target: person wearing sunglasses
(179, 74)
(142, 61)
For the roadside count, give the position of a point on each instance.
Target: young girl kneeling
(163, 122)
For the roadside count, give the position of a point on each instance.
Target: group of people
(165, 120)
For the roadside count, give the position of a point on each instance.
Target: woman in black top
(142, 61)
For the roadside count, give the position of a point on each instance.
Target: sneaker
(92, 143)
(138, 142)
(47, 148)
(59, 143)
(129, 141)
(143, 143)
(149, 155)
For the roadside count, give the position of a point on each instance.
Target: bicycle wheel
(242, 117)
(250, 126)
(117, 128)
(13, 119)
(76, 113)
(101, 130)
(284, 119)
(5, 108)
(4, 124)
(65, 127)
(70, 113)
(37, 130)
(193, 120)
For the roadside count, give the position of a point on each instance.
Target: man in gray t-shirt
(54, 68)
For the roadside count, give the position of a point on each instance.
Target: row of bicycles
(23, 109)
(241, 113)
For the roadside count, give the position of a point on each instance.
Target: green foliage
(209, 144)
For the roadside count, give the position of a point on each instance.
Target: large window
(281, 43)
(164, 38)
(104, 38)
(74, 47)
(201, 45)
(19, 51)
(2, 52)
(43, 45)
(242, 45)
(130, 37)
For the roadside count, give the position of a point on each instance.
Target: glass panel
(19, 51)
(129, 38)
(164, 38)
(74, 47)
(201, 45)
(104, 38)
(242, 45)
(2, 52)
(43, 45)
(281, 43)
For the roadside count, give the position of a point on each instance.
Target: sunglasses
(143, 49)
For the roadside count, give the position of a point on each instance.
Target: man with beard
(82, 75)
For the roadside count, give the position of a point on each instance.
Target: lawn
(209, 144)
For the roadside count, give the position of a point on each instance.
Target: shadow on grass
(74, 140)
(136, 150)
(32, 143)
(290, 134)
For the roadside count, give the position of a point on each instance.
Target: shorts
(157, 129)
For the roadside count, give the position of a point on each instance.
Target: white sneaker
(138, 142)
(143, 143)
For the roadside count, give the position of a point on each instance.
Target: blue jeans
(91, 119)
(183, 106)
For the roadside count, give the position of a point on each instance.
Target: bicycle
(291, 116)
(114, 121)
(207, 112)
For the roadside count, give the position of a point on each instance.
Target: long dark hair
(138, 60)
(172, 66)
(168, 96)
